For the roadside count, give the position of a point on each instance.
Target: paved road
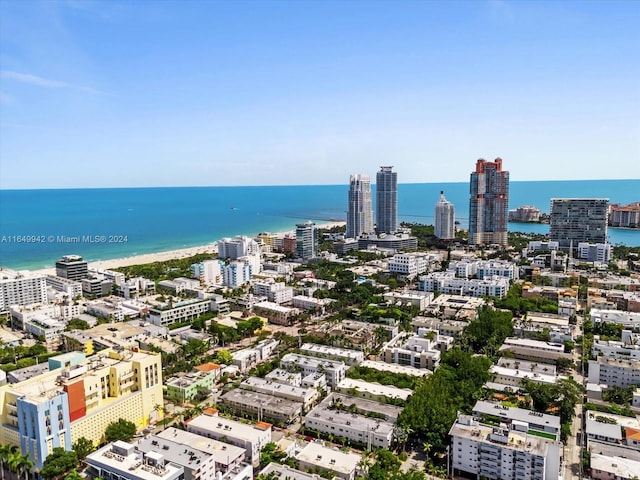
(572, 450)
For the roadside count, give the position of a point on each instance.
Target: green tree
(74, 475)
(121, 430)
(59, 462)
(5, 453)
(25, 465)
(224, 357)
(83, 447)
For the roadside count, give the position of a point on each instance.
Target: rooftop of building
(132, 464)
(343, 418)
(224, 453)
(312, 362)
(618, 467)
(275, 387)
(395, 368)
(518, 414)
(230, 428)
(372, 388)
(328, 458)
(390, 411)
(328, 350)
(287, 472)
(266, 402)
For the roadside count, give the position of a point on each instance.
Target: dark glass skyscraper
(489, 203)
(386, 200)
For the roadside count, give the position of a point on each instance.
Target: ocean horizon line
(153, 187)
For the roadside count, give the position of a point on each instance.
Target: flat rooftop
(327, 350)
(267, 402)
(519, 414)
(390, 411)
(227, 427)
(375, 388)
(355, 421)
(311, 362)
(329, 458)
(395, 368)
(224, 453)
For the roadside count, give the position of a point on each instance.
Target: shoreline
(166, 255)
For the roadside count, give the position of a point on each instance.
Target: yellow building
(80, 397)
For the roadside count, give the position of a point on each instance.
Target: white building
(122, 460)
(334, 371)
(236, 274)
(612, 371)
(276, 292)
(208, 272)
(306, 396)
(418, 351)
(346, 355)
(469, 267)
(316, 455)
(72, 288)
(283, 376)
(629, 320)
(179, 312)
(251, 437)
(373, 391)
(275, 313)
(409, 264)
(16, 288)
(506, 452)
(310, 303)
(412, 298)
(594, 252)
(447, 282)
(359, 211)
(445, 224)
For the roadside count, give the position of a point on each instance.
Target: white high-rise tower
(360, 210)
(445, 218)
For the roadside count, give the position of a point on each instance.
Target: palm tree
(25, 464)
(73, 475)
(14, 460)
(5, 453)
(426, 448)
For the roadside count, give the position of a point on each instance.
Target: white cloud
(45, 82)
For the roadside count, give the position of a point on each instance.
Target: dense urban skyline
(104, 94)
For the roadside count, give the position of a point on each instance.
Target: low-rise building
(179, 312)
(277, 314)
(187, 386)
(251, 437)
(373, 391)
(229, 459)
(306, 396)
(414, 298)
(334, 371)
(410, 264)
(447, 282)
(285, 377)
(316, 456)
(348, 356)
(122, 460)
(534, 350)
(612, 371)
(419, 351)
(395, 368)
(287, 472)
(310, 303)
(276, 292)
(263, 406)
(604, 467)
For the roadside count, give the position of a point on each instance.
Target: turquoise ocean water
(147, 220)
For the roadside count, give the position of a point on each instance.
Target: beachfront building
(489, 203)
(445, 225)
(251, 437)
(576, 220)
(386, 200)
(78, 397)
(306, 240)
(19, 289)
(71, 288)
(625, 216)
(359, 209)
(72, 267)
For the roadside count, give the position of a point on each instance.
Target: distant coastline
(152, 220)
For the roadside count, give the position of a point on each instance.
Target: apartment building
(613, 371)
(419, 351)
(410, 264)
(19, 289)
(79, 397)
(251, 437)
(277, 314)
(346, 355)
(334, 371)
(120, 460)
(182, 311)
(263, 406)
(276, 292)
(373, 391)
(504, 452)
(316, 456)
(306, 396)
(186, 386)
(72, 288)
(447, 282)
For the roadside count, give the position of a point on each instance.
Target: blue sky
(162, 93)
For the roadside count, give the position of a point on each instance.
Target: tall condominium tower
(489, 203)
(306, 240)
(575, 220)
(445, 218)
(359, 213)
(386, 200)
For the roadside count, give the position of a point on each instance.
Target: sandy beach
(168, 255)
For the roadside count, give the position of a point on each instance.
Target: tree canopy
(121, 430)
